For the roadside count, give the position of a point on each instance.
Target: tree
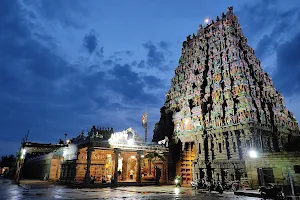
(153, 156)
(7, 161)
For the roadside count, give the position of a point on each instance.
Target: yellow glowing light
(133, 157)
(142, 156)
(108, 155)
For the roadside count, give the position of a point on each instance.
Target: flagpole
(146, 132)
(145, 125)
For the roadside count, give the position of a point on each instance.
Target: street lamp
(253, 154)
(23, 153)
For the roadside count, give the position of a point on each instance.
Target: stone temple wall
(281, 163)
(223, 102)
(38, 168)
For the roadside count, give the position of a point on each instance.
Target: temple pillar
(226, 175)
(217, 174)
(232, 145)
(261, 142)
(271, 142)
(166, 165)
(116, 153)
(139, 174)
(89, 152)
(280, 145)
(216, 147)
(149, 166)
(244, 138)
(264, 143)
(224, 149)
(210, 151)
(201, 147)
(231, 174)
(197, 147)
(205, 174)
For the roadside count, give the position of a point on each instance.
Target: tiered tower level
(223, 103)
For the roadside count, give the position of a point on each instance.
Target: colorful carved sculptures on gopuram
(220, 83)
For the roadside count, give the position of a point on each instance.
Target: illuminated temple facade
(103, 154)
(221, 104)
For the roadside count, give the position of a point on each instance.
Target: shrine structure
(222, 104)
(102, 155)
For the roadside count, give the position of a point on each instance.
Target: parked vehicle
(271, 191)
(195, 184)
(235, 186)
(219, 188)
(199, 184)
(216, 186)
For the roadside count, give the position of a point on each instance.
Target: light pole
(253, 154)
(66, 137)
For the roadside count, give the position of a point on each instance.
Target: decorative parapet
(139, 147)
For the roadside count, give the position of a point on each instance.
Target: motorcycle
(235, 186)
(219, 188)
(216, 187)
(271, 191)
(199, 184)
(195, 184)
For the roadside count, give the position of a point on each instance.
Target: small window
(297, 169)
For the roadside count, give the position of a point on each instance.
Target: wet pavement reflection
(44, 190)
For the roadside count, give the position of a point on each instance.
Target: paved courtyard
(44, 190)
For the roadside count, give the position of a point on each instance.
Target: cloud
(141, 64)
(68, 13)
(152, 82)
(155, 58)
(288, 66)
(49, 85)
(39, 87)
(90, 42)
(278, 47)
(164, 45)
(279, 32)
(108, 62)
(265, 47)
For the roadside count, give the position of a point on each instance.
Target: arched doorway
(131, 168)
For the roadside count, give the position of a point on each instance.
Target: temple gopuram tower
(222, 104)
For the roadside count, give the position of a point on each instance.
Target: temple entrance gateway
(131, 168)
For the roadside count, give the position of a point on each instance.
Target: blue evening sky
(66, 65)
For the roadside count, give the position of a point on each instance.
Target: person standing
(131, 174)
